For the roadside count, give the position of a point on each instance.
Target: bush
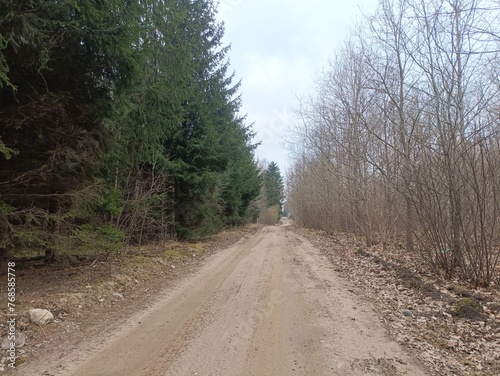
(270, 216)
(95, 239)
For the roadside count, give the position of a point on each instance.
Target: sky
(278, 48)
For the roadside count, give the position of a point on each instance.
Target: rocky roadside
(86, 301)
(453, 328)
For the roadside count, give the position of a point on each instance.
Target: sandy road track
(269, 305)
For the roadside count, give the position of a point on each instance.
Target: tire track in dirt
(353, 341)
(151, 347)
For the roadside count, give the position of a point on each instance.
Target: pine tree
(120, 118)
(211, 140)
(61, 64)
(274, 187)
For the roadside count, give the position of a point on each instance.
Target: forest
(119, 124)
(401, 143)
(141, 234)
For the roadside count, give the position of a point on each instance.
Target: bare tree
(385, 43)
(405, 125)
(454, 59)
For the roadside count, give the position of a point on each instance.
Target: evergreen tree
(61, 64)
(211, 140)
(119, 115)
(274, 187)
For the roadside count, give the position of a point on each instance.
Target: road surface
(271, 304)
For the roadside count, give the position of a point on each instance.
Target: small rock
(40, 316)
(173, 266)
(118, 295)
(408, 313)
(19, 339)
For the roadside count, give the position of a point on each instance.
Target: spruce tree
(274, 187)
(119, 115)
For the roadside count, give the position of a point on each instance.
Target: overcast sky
(278, 47)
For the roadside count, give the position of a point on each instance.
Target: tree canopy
(118, 118)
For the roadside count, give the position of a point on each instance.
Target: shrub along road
(271, 304)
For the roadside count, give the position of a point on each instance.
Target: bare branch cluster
(402, 139)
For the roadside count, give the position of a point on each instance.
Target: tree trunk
(409, 225)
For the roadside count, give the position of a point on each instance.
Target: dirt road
(269, 305)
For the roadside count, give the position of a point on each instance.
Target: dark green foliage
(274, 187)
(269, 205)
(118, 114)
(103, 238)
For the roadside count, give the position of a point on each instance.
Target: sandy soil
(271, 304)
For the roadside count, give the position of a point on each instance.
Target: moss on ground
(469, 308)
